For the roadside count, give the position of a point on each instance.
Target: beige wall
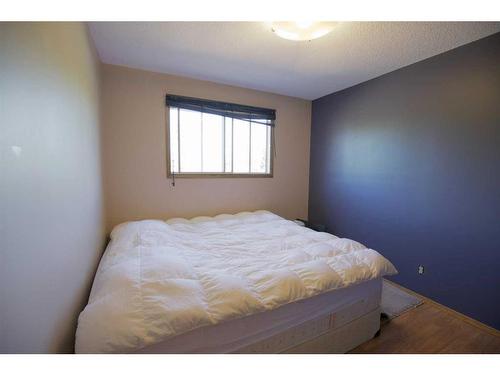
(134, 138)
(51, 228)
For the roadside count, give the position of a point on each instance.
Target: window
(207, 138)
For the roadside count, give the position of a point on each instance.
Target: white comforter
(160, 279)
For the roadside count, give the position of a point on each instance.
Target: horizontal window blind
(264, 116)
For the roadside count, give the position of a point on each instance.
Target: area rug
(396, 301)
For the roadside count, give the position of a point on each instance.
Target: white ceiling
(248, 54)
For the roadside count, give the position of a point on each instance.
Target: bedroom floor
(428, 329)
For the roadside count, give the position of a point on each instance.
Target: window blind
(258, 115)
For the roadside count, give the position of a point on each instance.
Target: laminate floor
(431, 328)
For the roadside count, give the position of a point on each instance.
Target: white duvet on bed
(160, 279)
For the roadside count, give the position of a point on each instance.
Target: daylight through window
(206, 142)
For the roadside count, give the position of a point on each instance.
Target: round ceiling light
(302, 30)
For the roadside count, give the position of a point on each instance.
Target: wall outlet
(421, 270)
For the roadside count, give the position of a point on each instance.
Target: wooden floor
(431, 328)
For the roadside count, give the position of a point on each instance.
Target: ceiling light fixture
(302, 30)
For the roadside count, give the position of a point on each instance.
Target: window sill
(220, 175)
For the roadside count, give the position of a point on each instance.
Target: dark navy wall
(409, 164)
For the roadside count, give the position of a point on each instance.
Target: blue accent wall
(409, 164)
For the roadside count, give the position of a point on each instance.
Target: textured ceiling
(248, 54)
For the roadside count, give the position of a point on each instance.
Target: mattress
(158, 280)
(272, 331)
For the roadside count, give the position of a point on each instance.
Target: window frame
(171, 175)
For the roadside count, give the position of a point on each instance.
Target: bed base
(320, 336)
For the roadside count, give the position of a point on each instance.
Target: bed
(252, 282)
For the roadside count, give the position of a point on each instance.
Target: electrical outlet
(421, 269)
